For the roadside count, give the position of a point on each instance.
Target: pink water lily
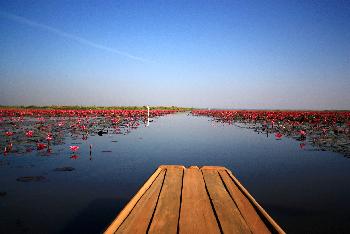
(40, 146)
(29, 133)
(49, 137)
(74, 157)
(278, 135)
(8, 133)
(74, 148)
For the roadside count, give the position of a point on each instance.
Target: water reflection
(323, 130)
(305, 191)
(20, 130)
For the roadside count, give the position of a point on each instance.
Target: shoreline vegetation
(177, 108)
(323, 130)
(77, 107)
(30, 129)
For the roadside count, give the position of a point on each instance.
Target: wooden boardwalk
(176, 199)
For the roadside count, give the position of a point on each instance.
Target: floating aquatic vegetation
(31, 178)
(324, 130)
(278, 136)
(64, 169)
(40, 146)
(74, 157)
(74, 148)
(24, 130)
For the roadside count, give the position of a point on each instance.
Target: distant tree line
(58, 107)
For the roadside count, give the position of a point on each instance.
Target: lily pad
(64, 169)
(31, 178)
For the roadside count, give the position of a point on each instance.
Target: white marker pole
(147, 116)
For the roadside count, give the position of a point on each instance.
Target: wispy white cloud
(81, 40)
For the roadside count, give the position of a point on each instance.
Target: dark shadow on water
(96, 216)
(296, 218)
(290, 211)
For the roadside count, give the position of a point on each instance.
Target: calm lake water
(305, 191)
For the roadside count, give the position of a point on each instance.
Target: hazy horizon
(234, 54)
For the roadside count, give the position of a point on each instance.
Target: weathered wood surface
(165, 220)
(196, 215)
(176, 199)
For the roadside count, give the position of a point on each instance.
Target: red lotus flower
(302, 133)
(49, 137)
(74, 157)
(9, 133)
(74, 148)
(278, 135)
(29, 133)
(40, 146)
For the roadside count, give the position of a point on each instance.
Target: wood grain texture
(255, 224)
(229, 216)
(172, 166)
(140, 217)
(166, 216)
(127, 209)
(179, 200)
(196, 215)
(217, 168)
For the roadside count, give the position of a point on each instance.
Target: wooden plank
(193, 167)
(166, 216)
(175, 199)
(252, 218)
(140, 217)
(261, 211)
(196, 215)
(172, 166)
(127, 209)
(217, 168)
(229, 216)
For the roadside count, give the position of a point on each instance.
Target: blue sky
(224, 54)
